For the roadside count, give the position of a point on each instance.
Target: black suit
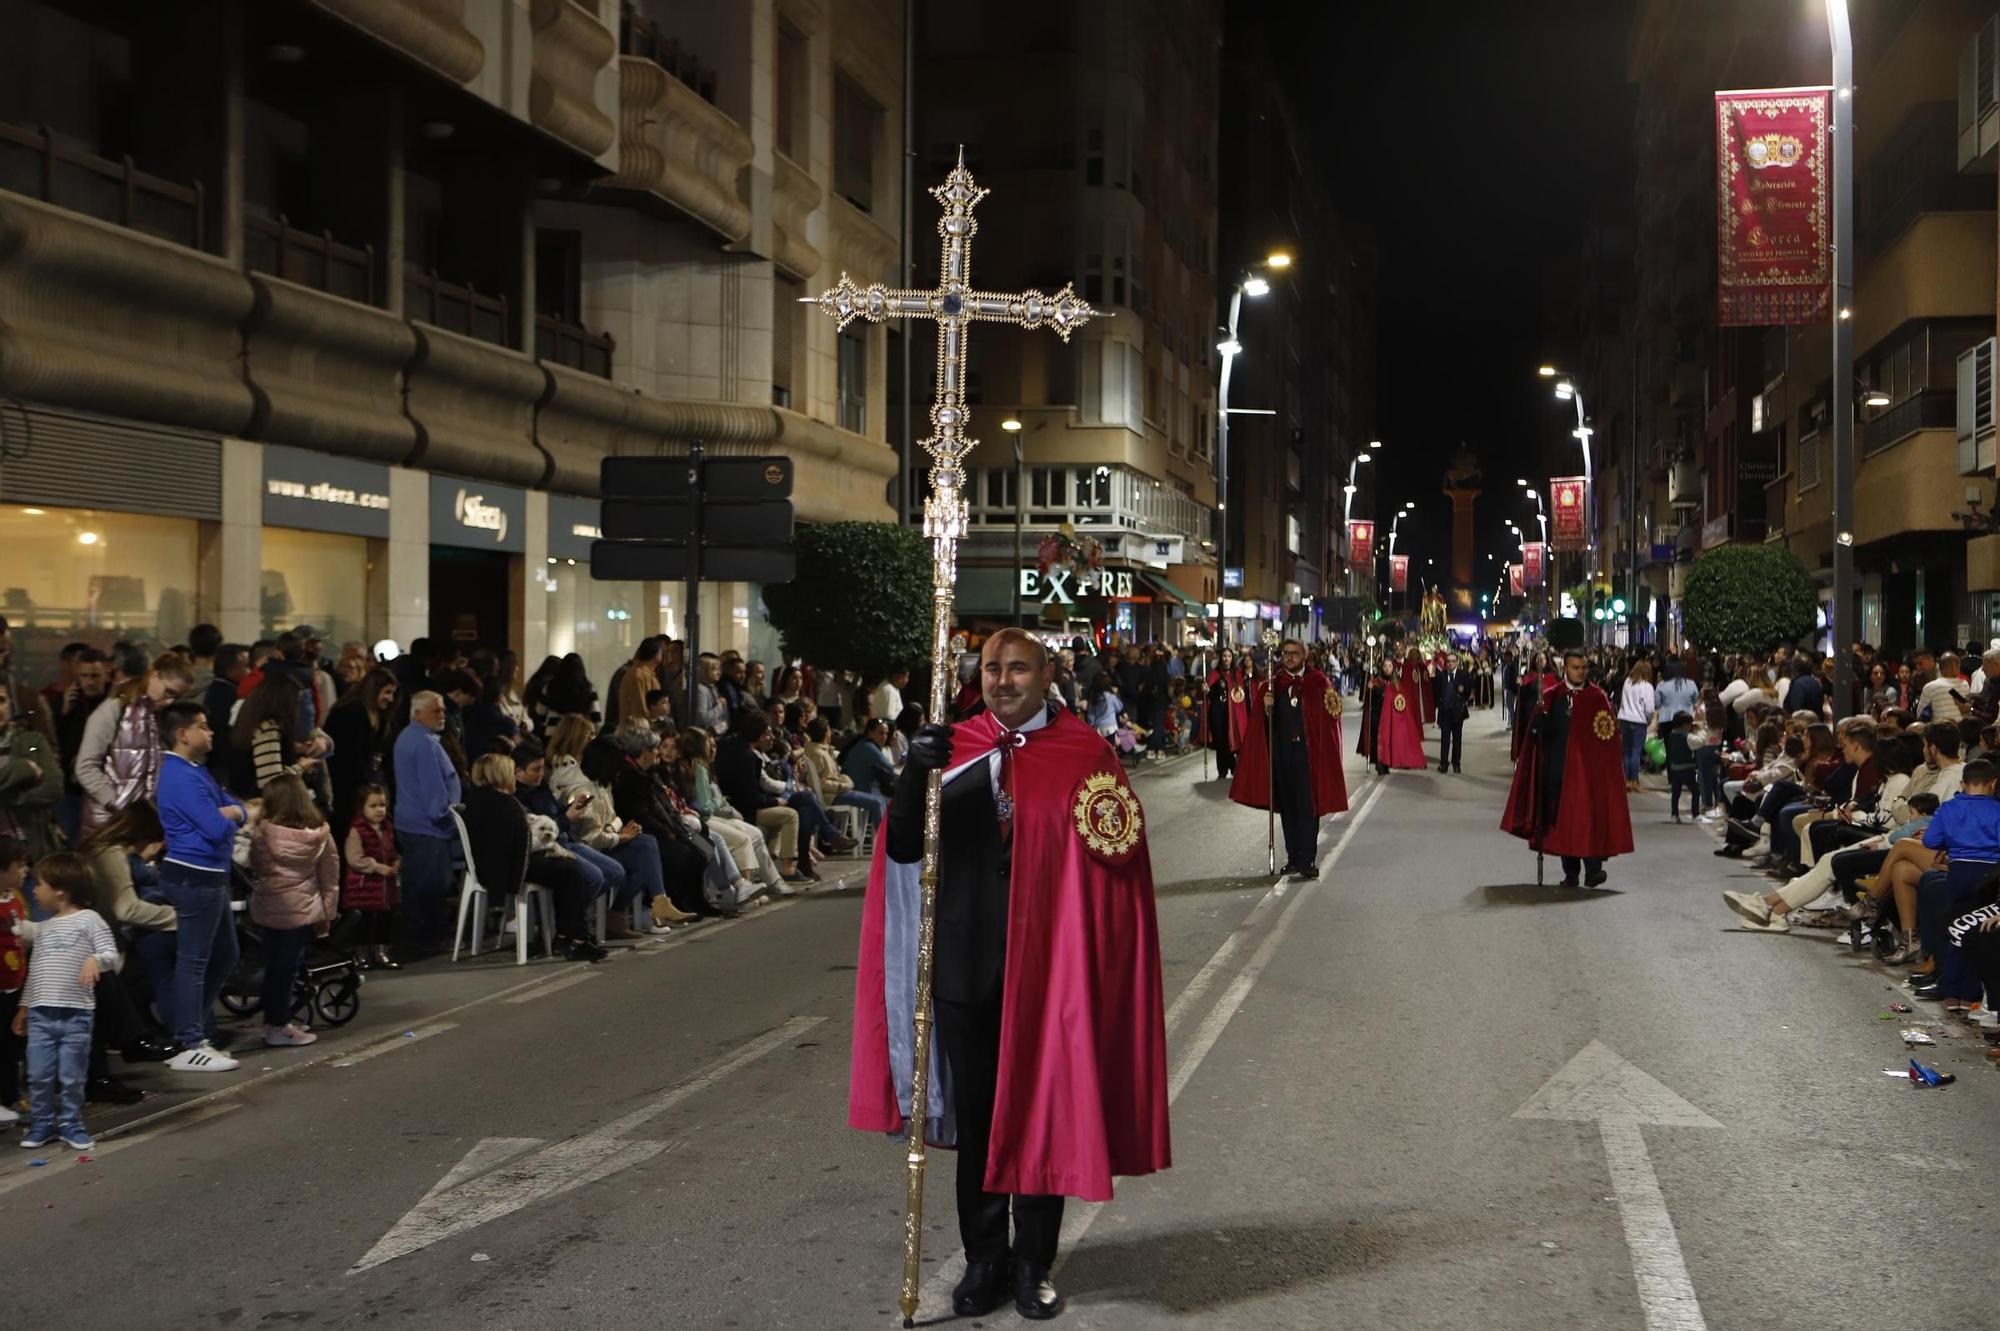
(969, 966)
(1455, 690)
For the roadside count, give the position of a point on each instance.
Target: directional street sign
(767, 523)
(655, 561)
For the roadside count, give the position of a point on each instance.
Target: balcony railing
(573, 345)
(316, 261)
(430, 299)
(1934, 409)
(34, 163)
(642, 37)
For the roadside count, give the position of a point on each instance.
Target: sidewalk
(420, 1000)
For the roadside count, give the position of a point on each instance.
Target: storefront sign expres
(316, 492)
(477, 516)
(1063, 586)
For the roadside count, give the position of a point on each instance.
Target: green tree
(860, 600)
(1749, 598)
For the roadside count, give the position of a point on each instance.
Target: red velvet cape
(1416, 681)
(1083, 1038)
(1239, 712)
(1320, 703)
(1592, 819)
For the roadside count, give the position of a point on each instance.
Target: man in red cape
(1416, 681)
(1568, 796)
(1303, 707)
(1049, 1071)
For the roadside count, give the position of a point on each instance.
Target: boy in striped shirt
(71, 950)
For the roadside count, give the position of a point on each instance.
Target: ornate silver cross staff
(953, 305)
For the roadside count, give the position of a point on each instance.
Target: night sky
(1473, 138)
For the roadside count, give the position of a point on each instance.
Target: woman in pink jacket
(296, 897)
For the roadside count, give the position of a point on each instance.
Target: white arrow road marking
(494, 1180)
(935, 1298)
(1597, 1086)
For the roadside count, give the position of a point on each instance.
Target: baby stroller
(327, 991)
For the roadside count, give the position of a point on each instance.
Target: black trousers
(969, 1034)
(1294, 799)
(1451, 741)
(1572, 865)
(1851, 866)
(1831, 834)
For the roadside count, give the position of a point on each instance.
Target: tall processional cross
(954, 305)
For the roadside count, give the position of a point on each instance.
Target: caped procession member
(1049, 1069)
(1227, 711)
(1568, 796)
(1302, 707)
(1391, 736)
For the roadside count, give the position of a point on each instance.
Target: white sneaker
(658, 930)
(747, 890)
(8, 1116)
(280, 1037)
(1749, 905)
(203, 1057)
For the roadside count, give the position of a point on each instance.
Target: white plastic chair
(852, 822)
(474, 900)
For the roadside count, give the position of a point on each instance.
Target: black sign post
(693, 518)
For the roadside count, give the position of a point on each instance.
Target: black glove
(930, 748)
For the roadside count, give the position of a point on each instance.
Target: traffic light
(1618, 607)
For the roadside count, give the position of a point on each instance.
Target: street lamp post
(1013, 428)
(1346, 528)
(1842, 619)
(1541, 516)
(1567, 391)
(1253, 285)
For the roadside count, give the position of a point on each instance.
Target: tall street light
(1012, 426)
(1541, 516)
(1567, 391)
(1841, 621)
(1346, 519)
(1253, 284)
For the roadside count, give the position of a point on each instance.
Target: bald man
(1045, 924)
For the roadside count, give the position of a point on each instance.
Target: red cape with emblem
(1591, 818)
(1416, 682)
(1239, 712)
(1083, 1047)
(1320, 705)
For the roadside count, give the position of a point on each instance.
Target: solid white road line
(26, 1173)
(935, 1298)
(540, 992)
(390, 1046)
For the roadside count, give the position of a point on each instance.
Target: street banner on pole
(1515, 583)
(1399, 573)
(1532, 556)
(1360, 543)
(1566, 495)
(1774, 259)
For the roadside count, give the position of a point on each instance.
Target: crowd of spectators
(224, 809)
(1877, 819)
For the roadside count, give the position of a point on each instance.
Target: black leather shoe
(1596, 879)
(111, 1091)
(1034, 1297)
(983, 1289)
(1305, 873)
(148, 1049)
(1569, 883)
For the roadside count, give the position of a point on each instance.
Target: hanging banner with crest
(1566, 513)
(1774, 253)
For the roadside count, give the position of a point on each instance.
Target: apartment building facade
(326, 310)
(1095, 128)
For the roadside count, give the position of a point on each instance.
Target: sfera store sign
(315, 492)
(474, 515)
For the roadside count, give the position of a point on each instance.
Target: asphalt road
(1420, 1092)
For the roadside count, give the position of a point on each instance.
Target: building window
(854, 381)
(1093, 278)
(1093, 157)
(794, 90)
(786, 314)
(857, 129)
